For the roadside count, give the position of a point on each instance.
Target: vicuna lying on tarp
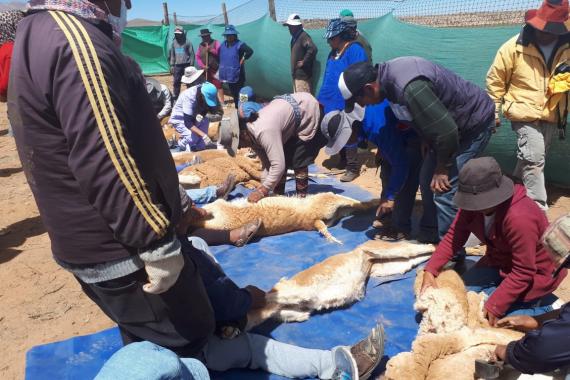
(452, 335)
(213, 172)
(338, 281)
(281, 214)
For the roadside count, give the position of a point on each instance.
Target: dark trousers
(177, 73)
(180, 319)
(234, 90)
(406, 198)
(349, 156)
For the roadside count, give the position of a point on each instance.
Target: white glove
(207, 139)
(162, 274)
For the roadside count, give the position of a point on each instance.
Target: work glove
(162, 274)
(207, 139)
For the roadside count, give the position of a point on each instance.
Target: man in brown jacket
(303, 54)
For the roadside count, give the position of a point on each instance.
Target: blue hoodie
(380, 126)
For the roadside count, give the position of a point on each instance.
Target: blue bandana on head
(336, 26)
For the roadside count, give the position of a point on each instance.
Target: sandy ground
(41, 303)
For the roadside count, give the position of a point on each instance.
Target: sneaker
(368, 352)
(349, 176)
(345, 365)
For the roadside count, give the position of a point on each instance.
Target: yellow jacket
(518, 81)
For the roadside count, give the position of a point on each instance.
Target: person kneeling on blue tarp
(401, 161)
(546, 346)
(516, 271)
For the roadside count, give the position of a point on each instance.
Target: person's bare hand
(491, 318)
(257, 297)
(440, 181)
(501, 352)
(428, 281)
(192, 214)
(386, 207)
(255, 196)
(300, 64)
(524, 323)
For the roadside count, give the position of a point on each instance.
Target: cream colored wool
(204, 155)
(338, 281)
(281, 214)
(452, 335)
(214, 172)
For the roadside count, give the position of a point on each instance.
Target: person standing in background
(518, 83)
(345, 51)
(208, 59)
(233, 54)
(181, 56)
(8, 22)
(347, 16)
(303, 54)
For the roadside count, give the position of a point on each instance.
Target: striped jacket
(89, 141)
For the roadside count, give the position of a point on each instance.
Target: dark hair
(348, 35)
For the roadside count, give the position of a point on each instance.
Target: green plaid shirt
(432, 120)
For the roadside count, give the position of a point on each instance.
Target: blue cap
(247, 108)
(210, 93)
(246, 94)
(230, 29)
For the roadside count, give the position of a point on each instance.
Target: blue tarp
(263, 263)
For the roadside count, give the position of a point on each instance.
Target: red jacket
(514, 247)
(5, 58)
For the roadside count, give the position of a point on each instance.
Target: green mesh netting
(467, 51)
(148, 45)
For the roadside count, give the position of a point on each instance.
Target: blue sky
(152, 9)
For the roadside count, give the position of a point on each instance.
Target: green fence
(467, 51)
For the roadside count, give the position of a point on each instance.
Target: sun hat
(230, 30)
(293, 20)
(191, 74)
(556, 240)
(179, 30)
(337, 128)
(353, 80)
(152, 85)
(551, 17)
(335, 27)
(229, 133)
(482, 185)
(205, 32)
(210, 93)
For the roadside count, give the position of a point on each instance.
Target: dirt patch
(41, 302)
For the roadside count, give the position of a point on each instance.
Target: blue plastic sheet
(263, 263)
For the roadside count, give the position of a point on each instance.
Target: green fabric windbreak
(147, 45)
(467, 51)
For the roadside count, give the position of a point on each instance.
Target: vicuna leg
(322, 228)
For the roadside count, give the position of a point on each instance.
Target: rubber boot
(302, 181)
(352, 164)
